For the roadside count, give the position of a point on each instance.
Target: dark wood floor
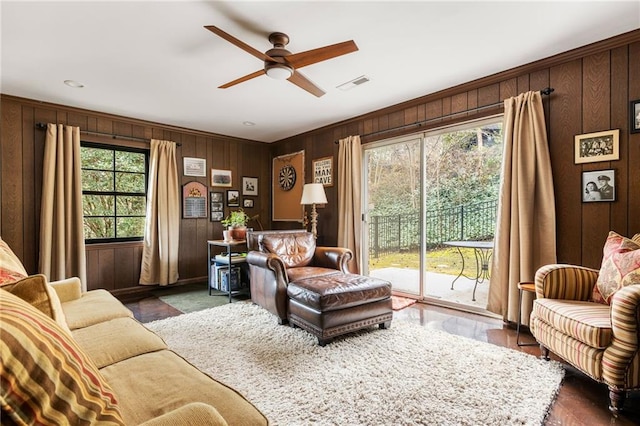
(580, 401)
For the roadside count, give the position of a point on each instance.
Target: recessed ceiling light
(353, 83)
(248, 123)
(74, 84)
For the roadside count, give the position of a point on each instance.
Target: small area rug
(193, 297)
(398, 303)
(406, 375)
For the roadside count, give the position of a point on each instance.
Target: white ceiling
(153, 60)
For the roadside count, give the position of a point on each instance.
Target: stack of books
(235, 258)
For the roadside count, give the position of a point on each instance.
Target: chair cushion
(45, 376)
(11, 268)
(295, 249)
(295, 274)
(338, 291)
(587, 322)
(620, 267)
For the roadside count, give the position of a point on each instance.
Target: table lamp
(313, 193)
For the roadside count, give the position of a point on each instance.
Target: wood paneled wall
(593, 88)
(115, 267)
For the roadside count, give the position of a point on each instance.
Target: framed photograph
(249, 185)
(595, 147)
(247, 203)
(323, 171)
(634, 111)
(233, 198)
(599, 185)
(194, 166)
(216, 206)
(221, 178)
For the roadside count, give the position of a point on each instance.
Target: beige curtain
(349, 193)
(526, 229)
(162, 226)
(62, 253)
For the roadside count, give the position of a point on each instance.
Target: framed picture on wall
(194, 166)
(595, 147)
(233, 198)
(249, 185)
(634, 111)
(221, 177)
(216, 206)
(599, 185)
(323, 171)
(247, 203)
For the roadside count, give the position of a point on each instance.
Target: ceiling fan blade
(306, 84)
(242, 45)
(242, 79)
(302, 59)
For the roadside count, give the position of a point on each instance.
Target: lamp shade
(313, 193)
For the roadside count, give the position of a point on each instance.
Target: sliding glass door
(430, 201)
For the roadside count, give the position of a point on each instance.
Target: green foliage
(461, 167)
(236, 218)
(114, 198)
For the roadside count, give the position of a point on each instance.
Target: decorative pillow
(46, 378)
(11, 268)
(620, 267)
(38, 293)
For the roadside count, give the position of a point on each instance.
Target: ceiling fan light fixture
(279, 71)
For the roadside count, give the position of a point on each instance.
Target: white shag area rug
(406, 375)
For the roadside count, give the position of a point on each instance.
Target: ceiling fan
(281, 64)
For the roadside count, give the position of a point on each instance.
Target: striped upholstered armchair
(599, 339)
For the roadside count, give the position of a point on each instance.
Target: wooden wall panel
(634, 142)
(12, 178)
(564, 119)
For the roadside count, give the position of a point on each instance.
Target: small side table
(228, 245)
(530, 287)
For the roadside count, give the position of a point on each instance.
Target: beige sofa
(81, 358)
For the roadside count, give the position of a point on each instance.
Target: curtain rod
(43, 126)
(546, 91)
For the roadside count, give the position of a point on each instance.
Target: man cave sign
(323, 171)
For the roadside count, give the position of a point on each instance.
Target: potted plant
(236, 222)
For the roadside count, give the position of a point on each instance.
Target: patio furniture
(482, 251)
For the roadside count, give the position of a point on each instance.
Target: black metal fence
(398, 233)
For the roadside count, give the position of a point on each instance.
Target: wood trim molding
(122, 119)
(568, 56)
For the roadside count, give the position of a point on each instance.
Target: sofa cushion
(588, 322)
(45, 376)
(295, 249)
(338, 291)
(168, 382)
(38, 293)
(620, 267)
(126, 336)
(11, 269)
(93, 307)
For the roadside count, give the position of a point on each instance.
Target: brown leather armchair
(276, 258)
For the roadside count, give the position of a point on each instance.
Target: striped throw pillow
(45, 377)
(620, 267)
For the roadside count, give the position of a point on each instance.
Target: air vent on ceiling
(353, 83)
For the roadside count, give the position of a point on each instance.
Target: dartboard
(287, 177)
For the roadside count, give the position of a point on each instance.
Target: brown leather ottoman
(338, 303)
